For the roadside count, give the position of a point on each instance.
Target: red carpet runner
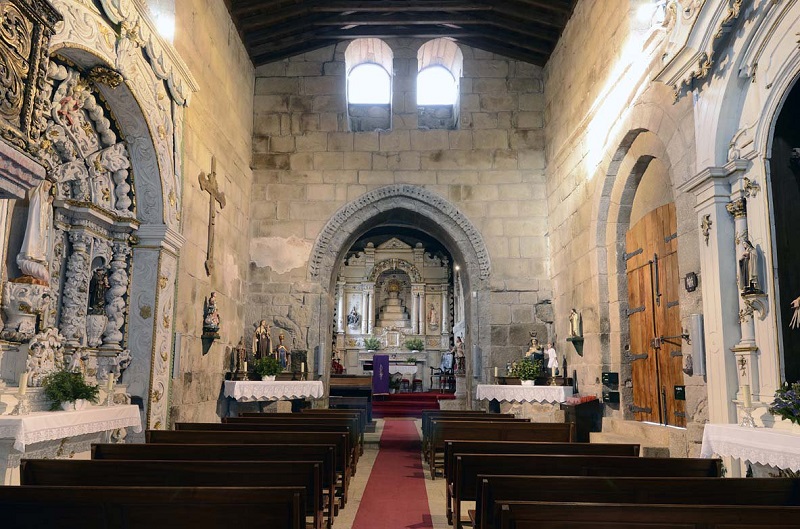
(395, 496)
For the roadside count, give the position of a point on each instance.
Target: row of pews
(275, 470)
(524, 475)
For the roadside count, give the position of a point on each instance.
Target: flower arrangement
(66, 386)
(787, 402)
(372, 343)
(414, 344)
(267, 366)
(527, 369)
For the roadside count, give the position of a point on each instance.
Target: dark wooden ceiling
(526, 30)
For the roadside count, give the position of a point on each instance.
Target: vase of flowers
(69, 391)
(414, 345)
(787, 403)
(527, 370)
(372, 344)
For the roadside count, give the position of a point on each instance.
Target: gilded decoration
(26, 27)
(737, 208)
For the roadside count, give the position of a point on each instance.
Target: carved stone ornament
(45, 355)
(26, 27)
(705, 226)
(737, 208)
(105, 76)
(22, 303)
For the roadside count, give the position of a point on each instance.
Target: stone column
(422, 310)
(341, 314)
(414, 311)
(712, 191)
(76, 290)
(115, 303)
(364, 310)
(371, 299)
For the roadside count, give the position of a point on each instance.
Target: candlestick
(23, 383)
(496, 374)
(245, 366)
(747, 397)
(302, 367)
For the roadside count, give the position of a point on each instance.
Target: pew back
(152, 507)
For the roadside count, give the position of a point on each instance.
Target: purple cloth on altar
(380, 374)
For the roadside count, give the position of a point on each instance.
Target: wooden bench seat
(467, 468)
(351, 403)
(116, 507)
(428, 415)
(683, 490)
(442, 430)
(340, 440)
(231, 452)
(65, 472)
(543, 515)
(521, 447)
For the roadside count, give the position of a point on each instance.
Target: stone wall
(605, 121)
(307, 166)
(218, 123)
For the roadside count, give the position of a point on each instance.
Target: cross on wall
(208, 183)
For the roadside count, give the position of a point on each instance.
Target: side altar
(394, 292)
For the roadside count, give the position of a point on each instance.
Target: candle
(23, 383)
(302, 367)
(110, 383)
(747, 397)
(245, 366)
(495, 372)
(553, 371)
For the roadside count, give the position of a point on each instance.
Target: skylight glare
(369, 84)
(436, 86)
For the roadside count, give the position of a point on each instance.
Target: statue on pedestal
(748, 268)
(575, 324)
(262, 341)
(281, 353)
(32, 257)
(211, 316)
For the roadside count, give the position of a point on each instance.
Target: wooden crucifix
(209, 184)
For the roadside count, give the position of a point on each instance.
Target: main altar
(394, 292)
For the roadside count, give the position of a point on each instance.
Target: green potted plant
(371, 343)
(68, 390)
(267, 367)
(527, 370)
(414, 344)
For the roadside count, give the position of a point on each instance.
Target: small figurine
(262, 341)
(575, 324)
(211, 316)
(354, 318)
(98, 286)
(282, 353)
(552, 358)
(534, 348)
(336, 367)
(748, 268)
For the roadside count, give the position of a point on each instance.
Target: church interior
(282, 236)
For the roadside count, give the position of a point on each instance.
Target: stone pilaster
(115, 297)
(76, 290)
(340, 316)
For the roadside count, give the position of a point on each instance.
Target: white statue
(32, 257)
(433, 317)
(795, 323)
(575, 324)
(748, 268)
(552, 357)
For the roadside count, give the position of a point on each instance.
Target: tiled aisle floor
(436, 489)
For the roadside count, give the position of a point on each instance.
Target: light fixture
(456, 268)
(690, 282)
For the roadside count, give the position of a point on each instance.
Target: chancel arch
(406, 208)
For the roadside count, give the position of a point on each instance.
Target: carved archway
(412, 206)
(395, 264)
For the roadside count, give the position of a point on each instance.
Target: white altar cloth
(766, 446)
(51, 425)
(524, 393)
(266, 390)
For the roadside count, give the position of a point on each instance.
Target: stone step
(654, 439)
(644, 450)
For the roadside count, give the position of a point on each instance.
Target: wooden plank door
(654, 318)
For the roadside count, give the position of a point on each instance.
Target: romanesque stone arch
(395, 264)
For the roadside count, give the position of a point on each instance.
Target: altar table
(766, 446)
(266, 390)
(550, 394)
(56, 434)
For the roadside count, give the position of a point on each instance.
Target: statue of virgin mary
(32, 257)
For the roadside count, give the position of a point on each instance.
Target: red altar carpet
(395, 496)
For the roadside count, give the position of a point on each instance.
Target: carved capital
(737, 208)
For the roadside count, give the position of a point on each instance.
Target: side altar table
(765, 446)
(59, 434)
(246, 391)
(538, 403)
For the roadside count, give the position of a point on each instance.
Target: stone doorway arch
(415, 207)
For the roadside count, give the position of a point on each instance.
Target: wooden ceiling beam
(512, 52)
(547, 5)
(529, 16)
(280, 53)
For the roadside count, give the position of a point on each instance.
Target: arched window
(440, 66)
(368, 63)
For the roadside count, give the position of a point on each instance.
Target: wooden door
(654, 318)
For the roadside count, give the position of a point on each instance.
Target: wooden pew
(428, 415)
(152, 507)
(467, 468)
(340, 440)
(283, 426)
(521, 447)
(542, 515)
(442, 430)
(351, 403)
(362, 418)
(351, 386)
(691, 490)
(229, 452)
(351, 422)
(65, 472)
(427, 432)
